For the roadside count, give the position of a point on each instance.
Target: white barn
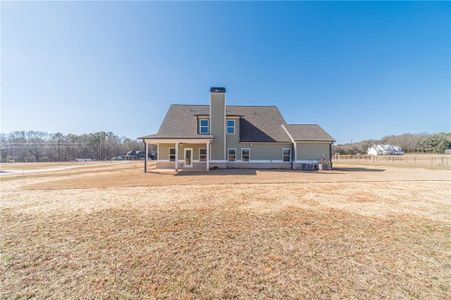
(385, 150)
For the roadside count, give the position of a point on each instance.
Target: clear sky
(361, 70)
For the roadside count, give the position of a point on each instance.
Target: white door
(188, 157)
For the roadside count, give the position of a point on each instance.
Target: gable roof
(308, 132)
(257, 123)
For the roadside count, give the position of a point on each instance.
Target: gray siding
(164, 150)
(259, 151)
(312, 151)
(217, 123)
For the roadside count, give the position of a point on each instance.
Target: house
(231, 136)
(385, 150)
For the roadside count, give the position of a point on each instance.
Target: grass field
(410, 160)
(41, 165)
(110, 231)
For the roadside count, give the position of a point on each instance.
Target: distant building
(385, 150)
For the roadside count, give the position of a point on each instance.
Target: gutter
(293, 148)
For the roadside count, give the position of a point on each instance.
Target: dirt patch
(132, 175)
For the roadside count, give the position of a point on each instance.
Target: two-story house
(232, 136)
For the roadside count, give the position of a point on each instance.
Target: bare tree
(41, 146)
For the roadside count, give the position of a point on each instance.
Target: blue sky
(361, 70)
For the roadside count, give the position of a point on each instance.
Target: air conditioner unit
(309, 167)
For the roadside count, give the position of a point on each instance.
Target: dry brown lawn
(113, 232)
(42, 165)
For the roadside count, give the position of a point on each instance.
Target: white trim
(284, 155)
(294, 143)
(179, 140)
(191, 158)
(268, 161)
(234, 127)
(313, 142)
(307, 161)
(267, 143)
(286, 130)
(241, 154)
(228, 154)
(211, 123)
(164, 160)
(225, 136)
(253, 161)
(176, 156)
(206, 153)
(207, 165)
(169, 154)
(208, 126)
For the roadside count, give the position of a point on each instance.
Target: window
(231, 154)
(286, 154)
(171, 154)
(230, 126)
(203, 126)
(245, 154)
(202, 154)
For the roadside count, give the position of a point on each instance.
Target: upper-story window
(230, 126)
(204, 126)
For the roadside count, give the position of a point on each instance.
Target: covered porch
(180, 153)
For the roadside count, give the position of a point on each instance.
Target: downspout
(330, 154)
(293, 147)
(197, 125)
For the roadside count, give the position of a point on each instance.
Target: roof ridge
(253, 105)
(182, 104)
(303, 124)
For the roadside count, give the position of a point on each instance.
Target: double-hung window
(245, 154)
(230, 126)
(204, 126)
(286, 154)
(203, 154)
(231, 154)
(171, 154)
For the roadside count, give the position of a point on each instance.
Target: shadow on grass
(221, 172)
(235, 172)
(358, 169)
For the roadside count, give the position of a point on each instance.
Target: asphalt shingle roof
(257, 123)
(308, 132)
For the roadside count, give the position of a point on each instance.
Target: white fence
(419, 160)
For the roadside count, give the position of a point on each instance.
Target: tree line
(38, 146)
(409, 142)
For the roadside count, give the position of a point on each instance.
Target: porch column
(207, 160)
(146, 150)
(176, 155)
